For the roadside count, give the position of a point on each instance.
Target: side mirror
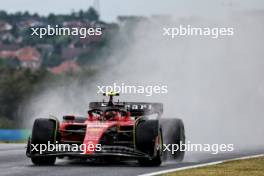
(69, 117)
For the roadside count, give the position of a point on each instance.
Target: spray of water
(215, 85)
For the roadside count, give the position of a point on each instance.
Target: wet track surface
(13, 162)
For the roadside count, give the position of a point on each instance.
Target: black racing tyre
(44, 160)
(44, 130)
(147, 132)
(173, 133)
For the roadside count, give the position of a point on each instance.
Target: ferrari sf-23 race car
(111, 130)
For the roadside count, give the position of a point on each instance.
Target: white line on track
(199, 165)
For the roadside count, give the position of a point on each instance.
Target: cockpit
(109, 114)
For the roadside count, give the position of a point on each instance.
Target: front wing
(107, 151)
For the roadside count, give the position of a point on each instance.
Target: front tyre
(44, 131)
(149, 140)
(44, 160)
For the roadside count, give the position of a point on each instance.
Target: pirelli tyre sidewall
(149, 140)
(44, 131)
(173, 133)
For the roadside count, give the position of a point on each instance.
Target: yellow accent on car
(112, 94)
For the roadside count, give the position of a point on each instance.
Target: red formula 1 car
(129, 130)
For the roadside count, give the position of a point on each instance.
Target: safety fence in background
(13, 135)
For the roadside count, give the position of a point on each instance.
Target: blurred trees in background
(16, 86)
(90, 14)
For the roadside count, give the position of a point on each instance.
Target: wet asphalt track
(13, 162)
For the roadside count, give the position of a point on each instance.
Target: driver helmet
(110, 115)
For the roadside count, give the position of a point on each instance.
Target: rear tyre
(174, 133)
(44, 130)
(149, 140)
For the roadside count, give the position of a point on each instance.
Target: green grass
(249, 167)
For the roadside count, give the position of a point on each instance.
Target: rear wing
(135, 108)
